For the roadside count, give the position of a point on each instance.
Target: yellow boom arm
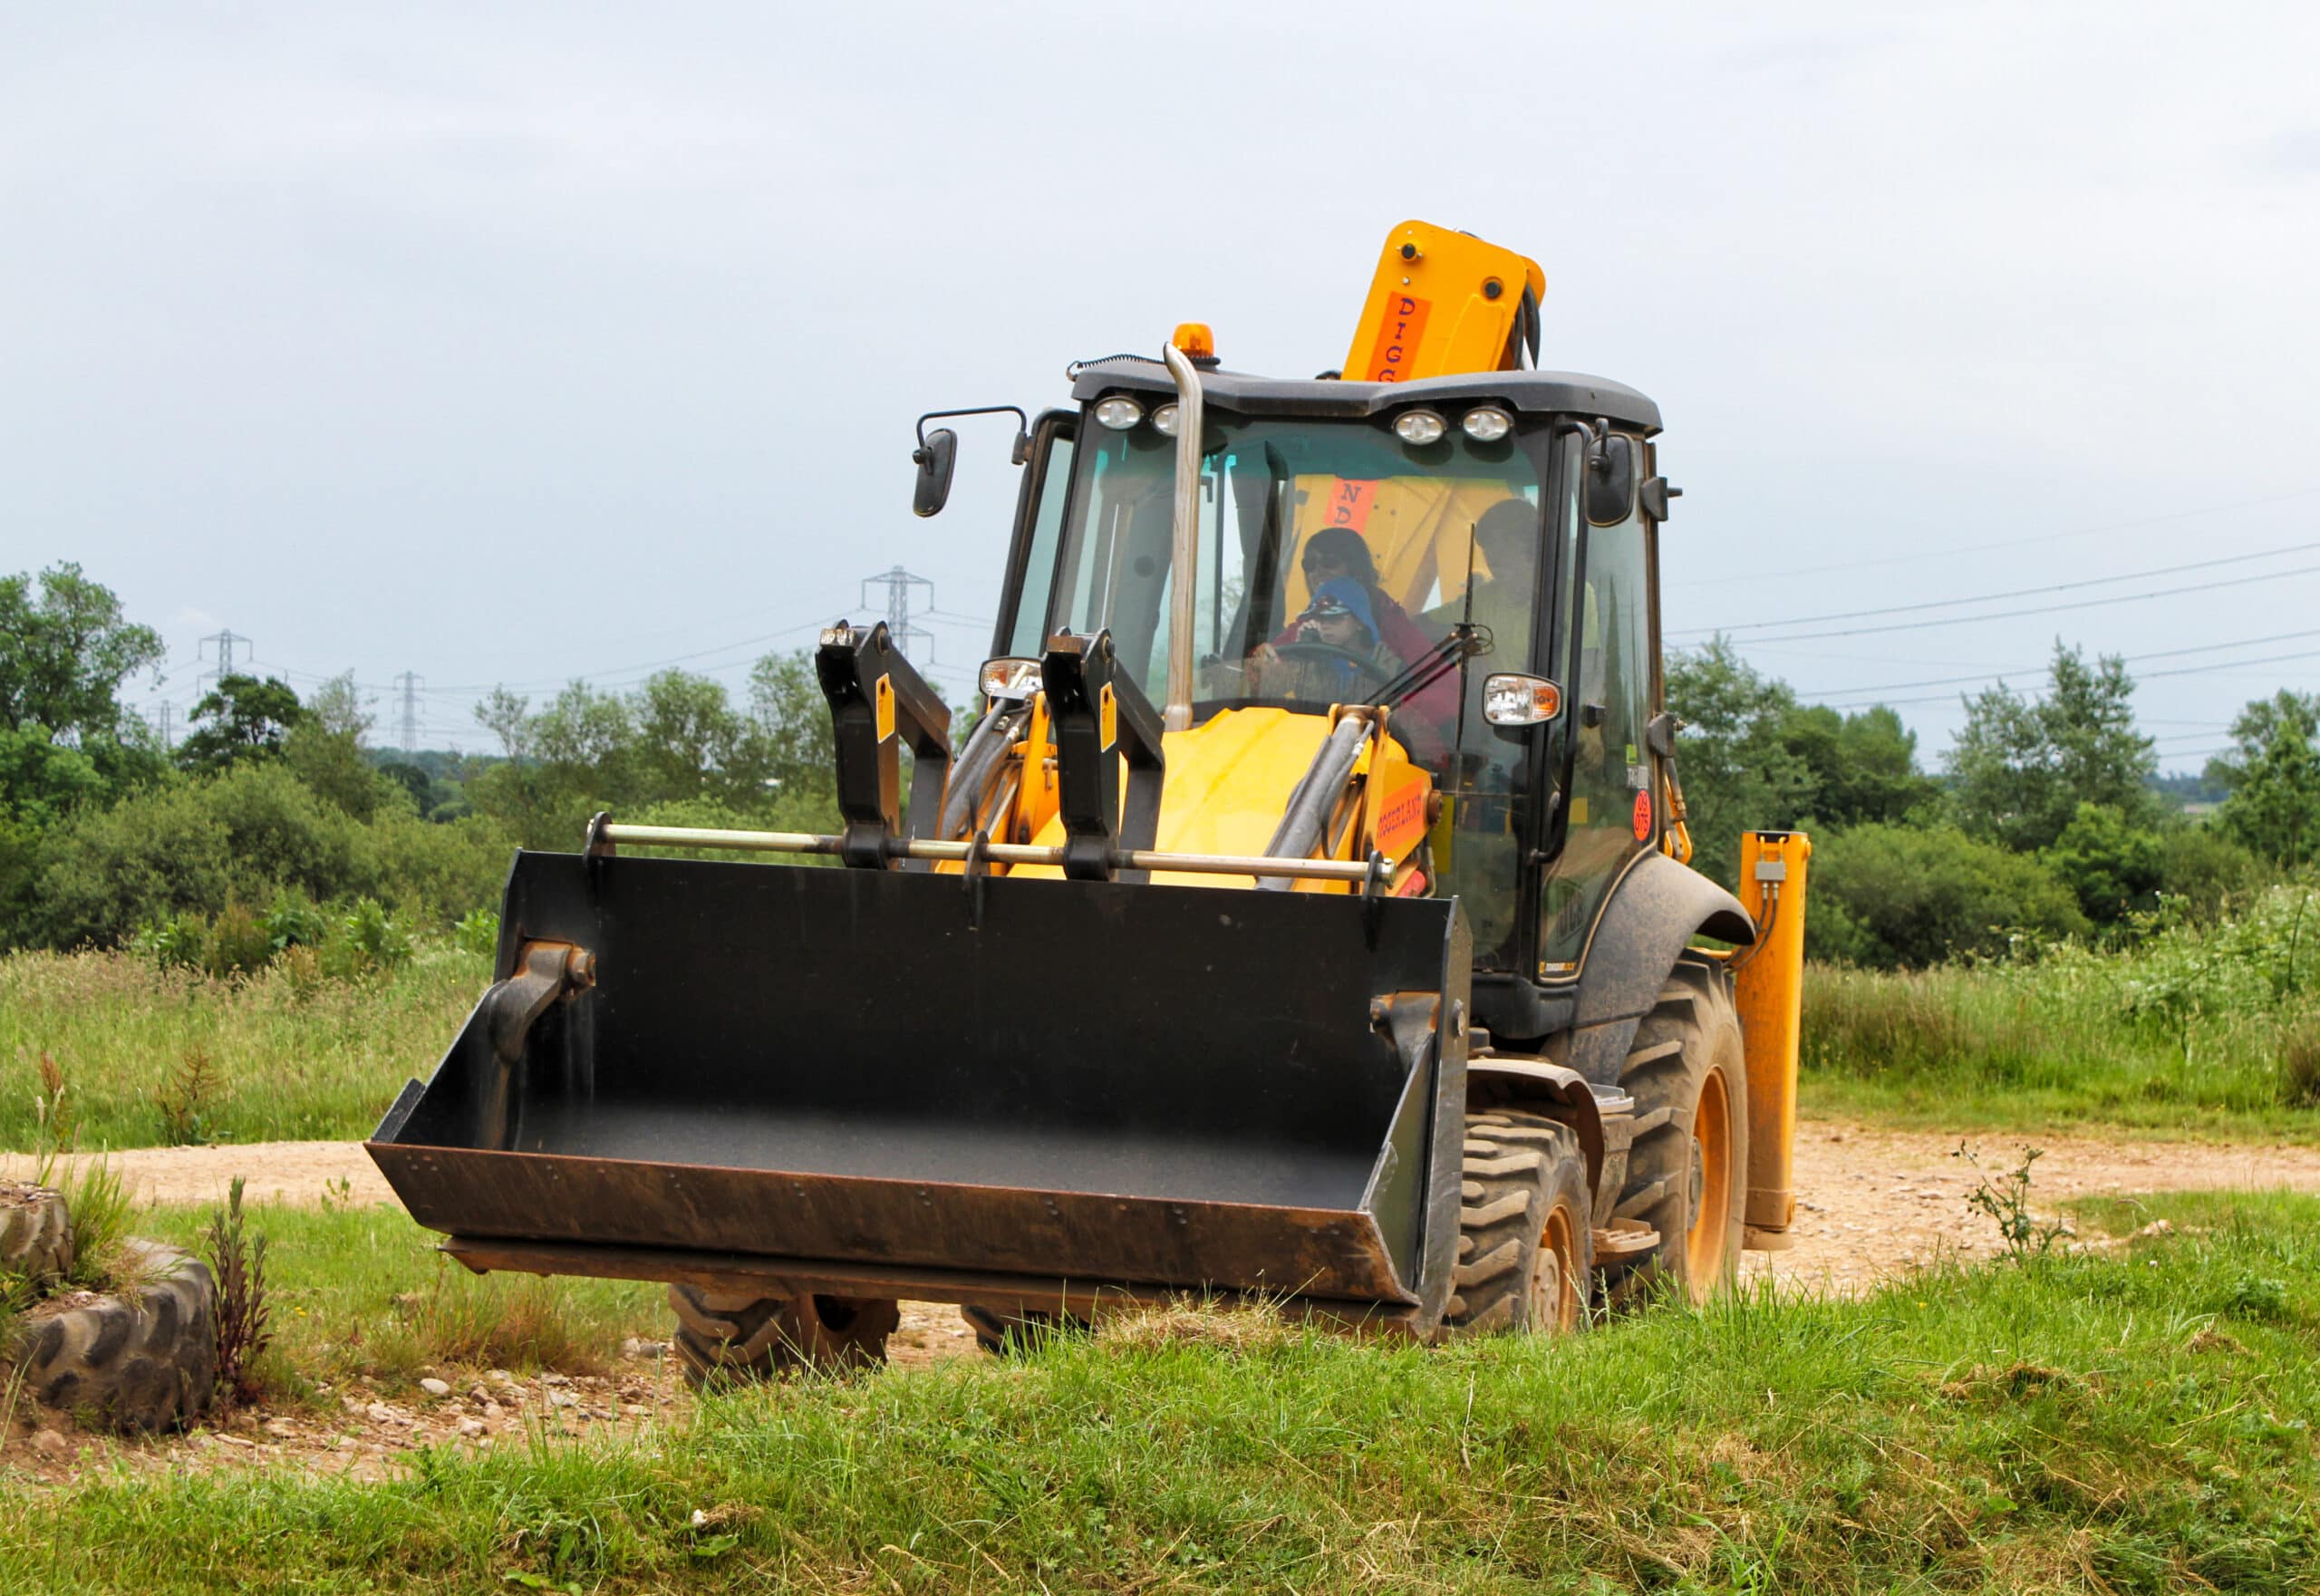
(1444, 301)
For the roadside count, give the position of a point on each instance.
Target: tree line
(2043, 820)
(2046, 819)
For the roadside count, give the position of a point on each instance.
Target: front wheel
(1688, 1175)
(1525, 1251)
(727, 1337)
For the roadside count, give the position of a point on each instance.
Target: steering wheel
(1330, 651)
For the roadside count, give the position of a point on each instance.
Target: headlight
(1512, 699)
(1419, 426)
(1164, 420)
(1118, 413)
(1488, 424)
(1013, 680)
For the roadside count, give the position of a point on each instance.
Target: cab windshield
(1334, 557)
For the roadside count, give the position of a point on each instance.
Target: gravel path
(1870, 1201)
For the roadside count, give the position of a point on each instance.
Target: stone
(562, 1399)
(471, 1427)
(51, 1444)
(435, 1388)
(493, 1410)
(281, 1428)
(555, 1379)
(379, 1413)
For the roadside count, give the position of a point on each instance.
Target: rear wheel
(727, 1337)
(1524, 1246)
(1687, 1176)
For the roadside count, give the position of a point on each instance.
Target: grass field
(150, 1056)
(2133, 1422)
(2208, 1031)
(2044, 1047)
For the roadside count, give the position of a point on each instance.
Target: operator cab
(1418, 507)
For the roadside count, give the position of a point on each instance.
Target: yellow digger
(1307, 917)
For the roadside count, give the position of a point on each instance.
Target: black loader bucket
(1010, 1091)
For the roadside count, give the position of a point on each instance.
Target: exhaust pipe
(1183, 557)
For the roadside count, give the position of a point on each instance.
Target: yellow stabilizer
(1442, 302)
(1771, 997)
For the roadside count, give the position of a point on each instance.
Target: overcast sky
(514, 344)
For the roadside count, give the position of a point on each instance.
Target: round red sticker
(1643, 817)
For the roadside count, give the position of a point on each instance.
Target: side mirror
(1610, 480)
(935, 459)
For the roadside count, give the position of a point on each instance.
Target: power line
(2087, 604)
(2164, 654)
(1948, 551)
(1944, 603)
(2220, 665)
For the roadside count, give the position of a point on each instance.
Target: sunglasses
(1332, 562)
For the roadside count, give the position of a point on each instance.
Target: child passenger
(1341, 618)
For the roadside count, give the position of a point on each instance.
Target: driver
(1341, 618)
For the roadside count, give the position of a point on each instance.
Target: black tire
(1002, 1335)
(1687, 1176)
(1525, 1251)
(35, 1233)
(145, 1360)
(724, 1339)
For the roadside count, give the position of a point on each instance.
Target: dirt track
(1870, 1201)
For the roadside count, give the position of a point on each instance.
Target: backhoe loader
(1307, 917)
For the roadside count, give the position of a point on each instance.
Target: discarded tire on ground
(35, 1233)
(145, 1359)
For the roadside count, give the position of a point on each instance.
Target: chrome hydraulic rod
(999, 853)
(1183, 560)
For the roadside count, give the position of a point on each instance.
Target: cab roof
(1528, 392)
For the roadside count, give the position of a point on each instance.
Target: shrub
(294, 923)
(477, 932)
(255, 834)
(1893, 897)
(2204, 870)
(237, 1260)
(2299, 1065)
(2113, 865)
(238, 944)
(371, 928)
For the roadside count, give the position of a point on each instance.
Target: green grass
(359, 1289)
(282, 1060)
(2043, 1049)
(2198, 1028)
(2138, 1422)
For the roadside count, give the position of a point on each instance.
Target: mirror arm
(1022, 449)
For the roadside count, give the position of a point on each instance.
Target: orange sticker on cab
(1395, 351)
(1349, 504)
(1401, 819)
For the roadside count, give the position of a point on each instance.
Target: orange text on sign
(1350, 503)
(1397, 338)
